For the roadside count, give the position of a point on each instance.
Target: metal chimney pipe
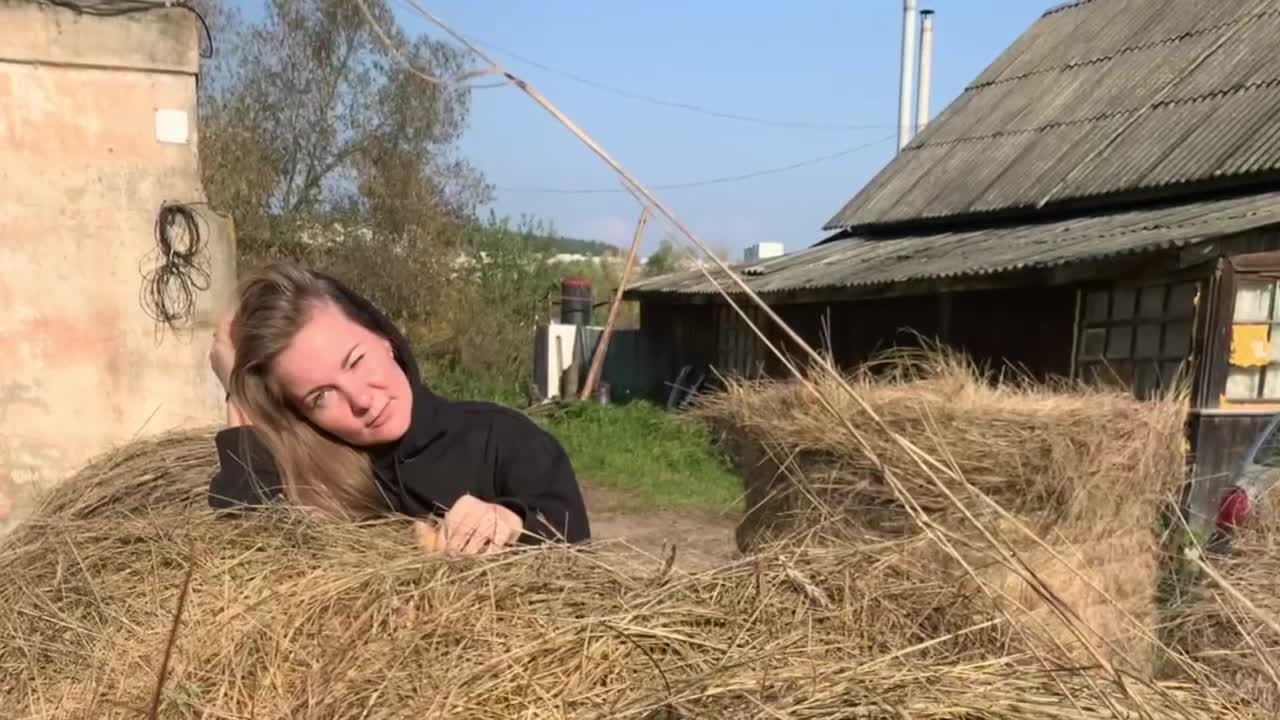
(907, 71)
(926, 68)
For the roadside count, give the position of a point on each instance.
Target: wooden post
(597, 360)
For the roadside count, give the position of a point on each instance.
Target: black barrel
(575, 301)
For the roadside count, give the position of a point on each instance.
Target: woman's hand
(471, 526)
(430, 535)
(222, 354)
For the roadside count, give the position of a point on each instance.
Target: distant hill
(554, 245)
(541, 242)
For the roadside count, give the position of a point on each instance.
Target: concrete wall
(97, 130)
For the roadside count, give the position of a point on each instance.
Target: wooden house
(1102, 201)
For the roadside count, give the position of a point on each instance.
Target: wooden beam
(597, 359)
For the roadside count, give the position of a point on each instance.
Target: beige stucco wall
(82, 176)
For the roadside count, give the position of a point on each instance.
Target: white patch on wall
(171, 126)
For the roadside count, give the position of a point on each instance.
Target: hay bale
(1057, 456)
(1089, 469)
(291, 618)
(169, 471)
(1107, 587)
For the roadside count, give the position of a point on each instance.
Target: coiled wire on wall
(180, 266)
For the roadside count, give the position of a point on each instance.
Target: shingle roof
(859, 261)
(1098, 97)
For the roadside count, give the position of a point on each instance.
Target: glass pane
(1148, 381)
(1177, 340)
(1119, 342)
(1122, 304)
(1093, 342)
(1242, 383)
(1250, 345)
(1253, 302)
(1151, 302)
(1095, 307)
(1148, 341)
(1170, 375)
(1271, 387)
(1182, 299)
(1122, 373)
(1094, 373)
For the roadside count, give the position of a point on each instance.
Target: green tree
(663, 260)
(311, 122)
(324, 147)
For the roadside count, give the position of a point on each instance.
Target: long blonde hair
(317, 471)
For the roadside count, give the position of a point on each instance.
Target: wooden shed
(1101, 202)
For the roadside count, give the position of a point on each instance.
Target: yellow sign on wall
(1250, 346)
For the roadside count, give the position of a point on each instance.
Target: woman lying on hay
(326, 410)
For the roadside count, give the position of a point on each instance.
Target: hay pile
(286, 617)
(1090, 471)
(1231, 627)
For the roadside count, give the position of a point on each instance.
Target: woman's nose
(364, 402)
(361, 399)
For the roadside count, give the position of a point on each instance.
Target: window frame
(1271, 321)
(1142, 370)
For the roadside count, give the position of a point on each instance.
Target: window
(1253, 365)
(1137, 337)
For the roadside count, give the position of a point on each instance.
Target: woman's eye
(356, 362)
(318, 399)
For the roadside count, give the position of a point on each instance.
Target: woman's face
(345, 379)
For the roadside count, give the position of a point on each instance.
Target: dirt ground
(702, 539)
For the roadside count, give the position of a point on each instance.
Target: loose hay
(1088, 470)
(1238, 646)
(288, 618)
(171, 470)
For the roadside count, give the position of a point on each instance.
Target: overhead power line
(676, 104)
(709, 181)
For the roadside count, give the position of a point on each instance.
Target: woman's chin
(389, 431)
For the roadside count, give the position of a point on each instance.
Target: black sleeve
(246, 474)
(537, 482)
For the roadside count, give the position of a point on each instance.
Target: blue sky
(824, 62)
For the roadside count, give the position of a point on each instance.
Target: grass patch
(664, 461)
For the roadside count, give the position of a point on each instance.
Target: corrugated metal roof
(1096, 98)
(859, 261)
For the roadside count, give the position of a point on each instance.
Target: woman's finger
(504, 535)
(428, 535)
(458, 538)
(479, 540)
(462, 524)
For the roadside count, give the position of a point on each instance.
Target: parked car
(1255, 476)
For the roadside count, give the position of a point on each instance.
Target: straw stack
(288, 618)
(1087, 471)
(283, 616)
